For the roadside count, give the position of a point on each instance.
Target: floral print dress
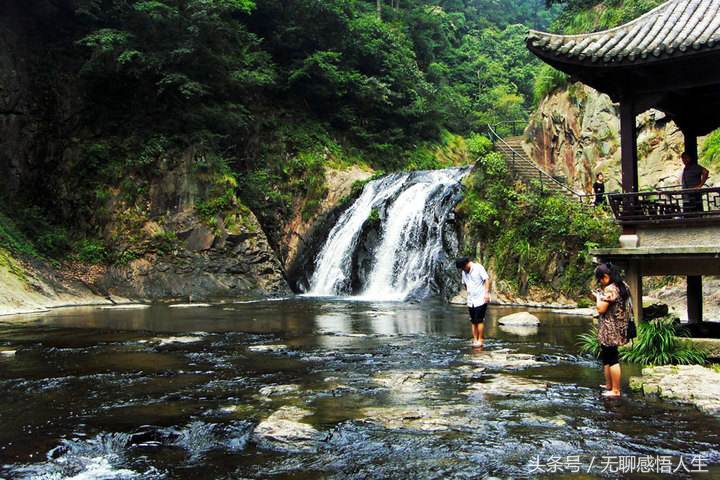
(613, 323)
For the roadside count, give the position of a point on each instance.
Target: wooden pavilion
(669, 60)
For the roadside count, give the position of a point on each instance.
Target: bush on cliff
(533, 238)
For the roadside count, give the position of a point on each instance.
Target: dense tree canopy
(396, 77)
(272, 89)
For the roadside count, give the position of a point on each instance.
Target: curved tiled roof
(672, 29)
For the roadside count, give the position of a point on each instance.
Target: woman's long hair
(614, 273)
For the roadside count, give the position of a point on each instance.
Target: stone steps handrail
(541, 174)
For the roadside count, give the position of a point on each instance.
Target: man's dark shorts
(477, 314)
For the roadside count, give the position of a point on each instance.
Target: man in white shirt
(477, 282)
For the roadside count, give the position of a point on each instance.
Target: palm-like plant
(589, 343)
(657, 343)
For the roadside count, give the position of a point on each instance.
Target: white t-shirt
(475, 284)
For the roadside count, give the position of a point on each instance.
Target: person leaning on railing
(693, 176)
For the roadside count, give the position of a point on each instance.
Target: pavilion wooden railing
(667, 206)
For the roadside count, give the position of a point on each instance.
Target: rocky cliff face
(36, 111)
(186, 255)
(303, 238)
(575, 134)
(177, 252)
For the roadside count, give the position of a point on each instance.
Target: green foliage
(54, 243)
(220, 199)
(92, 251)
(13, 240)
(280, 90)
(582, 16)
(173, 64)
(478, 145)
(374, 217)
(454, 151)
(589, 343)
(164, 241)
(528, 231)
(710, 154)
(547, 81)
(657, 343)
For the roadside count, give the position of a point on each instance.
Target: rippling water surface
(313, 388)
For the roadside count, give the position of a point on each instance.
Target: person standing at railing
(599, 189)
(693, 176)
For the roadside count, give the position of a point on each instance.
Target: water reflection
(385, 390)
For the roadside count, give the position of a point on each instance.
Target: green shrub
(220, 198)
(547, 81)
(164, 241)
(478, 145)
(12, 239)
(589, 343)
(54, 243)
(595, 15)
(91, 251)
(374, 217)
(710, 154)
(657, 343)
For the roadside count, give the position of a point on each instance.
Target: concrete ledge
(692, 384)
(643, 251)
(712, 345)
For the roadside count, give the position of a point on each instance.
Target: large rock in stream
(519, 319)
(282, 431)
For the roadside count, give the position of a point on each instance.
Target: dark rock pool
(325, 388)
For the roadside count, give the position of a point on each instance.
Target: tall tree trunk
(379, 8)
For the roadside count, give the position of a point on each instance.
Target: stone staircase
(527, 170)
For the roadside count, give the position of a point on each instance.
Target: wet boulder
(505, 360)
(282, 431)
(436, 418)
(519, 319)
(278, 390)
(520, 330)
(506, 385)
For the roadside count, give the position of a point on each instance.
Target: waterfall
(412, 249)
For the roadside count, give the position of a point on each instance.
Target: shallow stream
(308, 388)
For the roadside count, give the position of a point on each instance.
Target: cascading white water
(415, 210)
(332, 272)
(412, 239)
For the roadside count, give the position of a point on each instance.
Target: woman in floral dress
(611, 304)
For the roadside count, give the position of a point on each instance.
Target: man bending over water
(477, 282)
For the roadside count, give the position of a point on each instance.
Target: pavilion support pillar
(628, 145)
(633, 277)
(690, 142)
(694, 299)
